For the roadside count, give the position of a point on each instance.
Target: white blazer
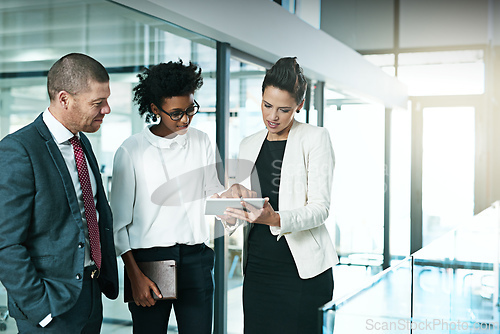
(304, 195)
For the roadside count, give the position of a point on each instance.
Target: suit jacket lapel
(248, 157)
(291, 146)
(290, 165)
(61, 167)
(87, 149)
(102, 205)
(89, 153)
(252, 149)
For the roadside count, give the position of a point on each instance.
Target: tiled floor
(433, 294)
(117, 318)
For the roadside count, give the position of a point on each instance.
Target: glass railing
(449, 286)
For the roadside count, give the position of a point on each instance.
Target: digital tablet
(217, 206)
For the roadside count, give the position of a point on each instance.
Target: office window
(447, 170)
(34, 34)
(123, 40)
(384, 61)
(357, 211)
(442, 73)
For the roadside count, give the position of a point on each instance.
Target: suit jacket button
(78, 276)
(80, 245)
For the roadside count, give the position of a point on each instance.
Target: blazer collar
(42, 127)
(56, 153)
(61, 168)
(254, 150)
(162, 142)
(58, 131)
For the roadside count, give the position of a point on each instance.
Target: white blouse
(159, 188)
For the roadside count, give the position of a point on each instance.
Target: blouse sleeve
(122, 198)
(319, 176)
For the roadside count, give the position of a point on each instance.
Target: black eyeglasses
(178, 114)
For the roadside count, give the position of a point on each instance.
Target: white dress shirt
(159, 188)
(62, 136)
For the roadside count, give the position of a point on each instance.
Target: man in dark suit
(56, 239)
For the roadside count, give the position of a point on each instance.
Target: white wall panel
(438, 23)
(360, 24)
(309, 11)
(494, 21)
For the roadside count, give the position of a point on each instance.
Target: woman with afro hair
(161, 178)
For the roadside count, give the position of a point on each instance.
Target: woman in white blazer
(288, 253)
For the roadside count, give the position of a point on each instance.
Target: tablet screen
(217, 206)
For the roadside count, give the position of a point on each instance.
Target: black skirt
(275, 298)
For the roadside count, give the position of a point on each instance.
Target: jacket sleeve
(320, 162)
(122, 199)
(17, 195)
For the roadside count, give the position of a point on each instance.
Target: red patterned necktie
(88, 201)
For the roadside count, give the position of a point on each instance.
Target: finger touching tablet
(217, 206)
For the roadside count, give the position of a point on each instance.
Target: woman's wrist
(277, 220)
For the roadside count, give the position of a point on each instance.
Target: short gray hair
(73, 73)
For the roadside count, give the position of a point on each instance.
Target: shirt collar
(59, 132)
(163, 142)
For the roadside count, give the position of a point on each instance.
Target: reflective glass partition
(382, 304)
(245, 119)
(34, 34)
(357, 134)
(456, 277)
(449, 286)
